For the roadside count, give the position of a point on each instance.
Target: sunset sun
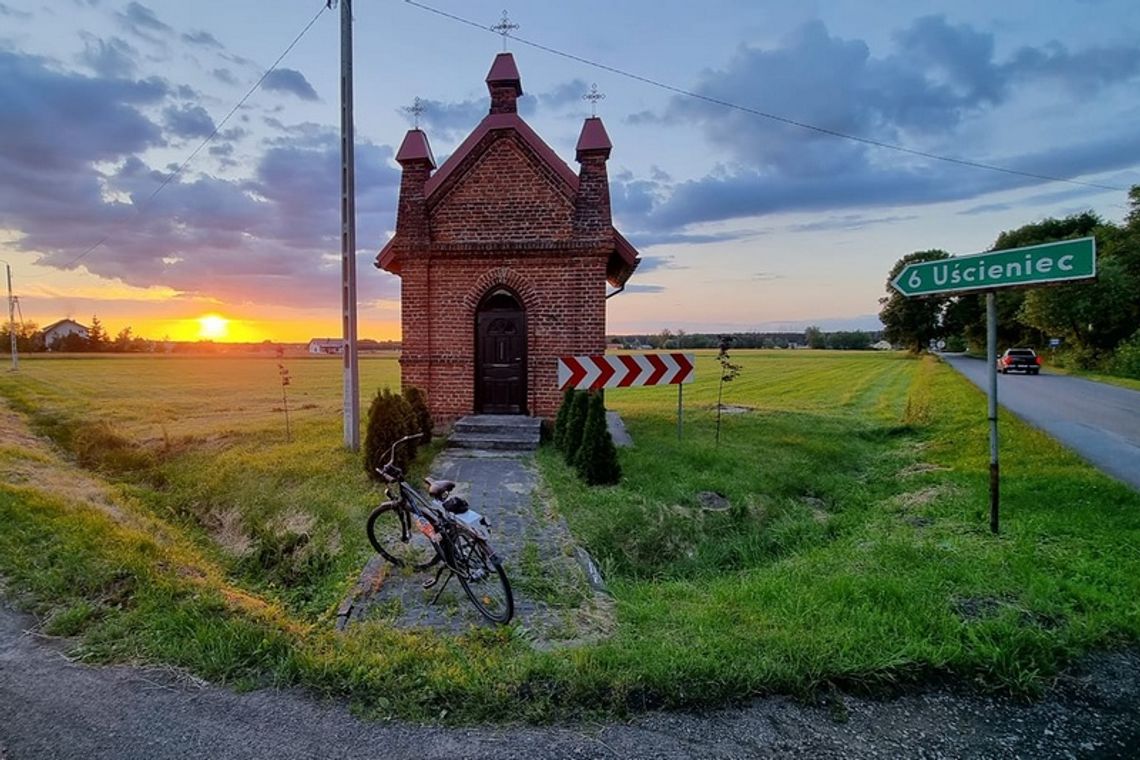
(213, 327)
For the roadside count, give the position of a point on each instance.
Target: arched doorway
(500, 354)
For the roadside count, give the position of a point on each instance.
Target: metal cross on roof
(594, 96)
(504, 27)
(415, 109)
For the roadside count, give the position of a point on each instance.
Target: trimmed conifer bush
(560, 420)
(597, 460)
(390, 418)
(417, 400)
(575, 424)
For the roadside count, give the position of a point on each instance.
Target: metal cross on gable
(593, 96)
(504, 27)
(415, 109)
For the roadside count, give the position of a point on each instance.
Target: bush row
(580, 433)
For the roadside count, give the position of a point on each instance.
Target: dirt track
(53, 708)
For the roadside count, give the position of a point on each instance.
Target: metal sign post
(680, 410)
(991, 357)
(1064, 261)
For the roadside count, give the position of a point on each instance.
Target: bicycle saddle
(438, 488)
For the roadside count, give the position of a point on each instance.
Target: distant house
(326, 346)
(882, 345)
(57, 331)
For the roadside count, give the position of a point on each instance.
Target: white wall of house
(61, 329)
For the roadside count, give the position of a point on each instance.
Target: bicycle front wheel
(393, 532)
(482, 577)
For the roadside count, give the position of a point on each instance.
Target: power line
(217, 128)
(765, 114)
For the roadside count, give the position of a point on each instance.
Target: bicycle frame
(417, 507)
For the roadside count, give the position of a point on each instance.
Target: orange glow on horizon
(238, 330)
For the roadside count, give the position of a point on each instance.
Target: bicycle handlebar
(389, 471)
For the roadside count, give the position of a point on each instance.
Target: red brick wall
(506, 221)
(505, 196)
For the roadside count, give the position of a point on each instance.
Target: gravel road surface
(1100, 422)
(53, 708)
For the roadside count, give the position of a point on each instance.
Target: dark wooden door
(501, 366)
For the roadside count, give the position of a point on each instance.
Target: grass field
(169, 520)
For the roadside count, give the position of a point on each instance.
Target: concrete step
(496, 432)
(492, 441)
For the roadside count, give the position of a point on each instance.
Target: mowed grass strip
(856, 550)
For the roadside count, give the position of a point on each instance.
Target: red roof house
(504, 253)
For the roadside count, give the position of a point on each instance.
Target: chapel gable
(506, 194)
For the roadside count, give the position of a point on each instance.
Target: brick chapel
(503, 254)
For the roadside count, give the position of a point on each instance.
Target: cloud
(565, 94)
(639, 288)
(111, 58)
(448, 121)
(203, 39)
(291, 81)
(936, 78)
(188, 121)
(270, 236)
(10, 12)
(141, 20)
(225, 76)
(848, 222)
(656, 263)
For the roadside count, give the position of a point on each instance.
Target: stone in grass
(711, 501)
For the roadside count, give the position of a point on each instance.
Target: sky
(743, 222)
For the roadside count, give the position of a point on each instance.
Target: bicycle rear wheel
(393, 533)
(483, 579)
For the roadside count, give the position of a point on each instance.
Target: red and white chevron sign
(624, 371)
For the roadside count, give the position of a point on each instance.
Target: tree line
(1097, 323)
(29, 339)
(812, 337)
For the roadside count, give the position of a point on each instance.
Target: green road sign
(1016, 267)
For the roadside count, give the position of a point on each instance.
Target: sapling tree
(285, 382)
(728, 373)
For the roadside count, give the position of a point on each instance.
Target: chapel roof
(593, 138)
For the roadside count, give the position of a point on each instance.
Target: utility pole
(348, 234)
(12, 320)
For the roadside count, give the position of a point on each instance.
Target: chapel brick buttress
(504, 254)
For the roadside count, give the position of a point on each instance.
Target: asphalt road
(53, 708)
(1098, 421)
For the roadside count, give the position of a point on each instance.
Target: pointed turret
(416, 159)
(504, 83)
(592, 203)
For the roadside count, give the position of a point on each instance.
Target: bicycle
(411, 530)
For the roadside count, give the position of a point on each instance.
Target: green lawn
(856, 550)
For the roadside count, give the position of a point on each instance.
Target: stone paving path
(555, 603)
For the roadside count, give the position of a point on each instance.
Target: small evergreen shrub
(575, 424)
(597, 460)
(390, 418)
(561, 419)
(417, 400)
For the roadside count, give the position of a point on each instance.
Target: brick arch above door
(500, 277)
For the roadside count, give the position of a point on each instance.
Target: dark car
(1019, 360)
